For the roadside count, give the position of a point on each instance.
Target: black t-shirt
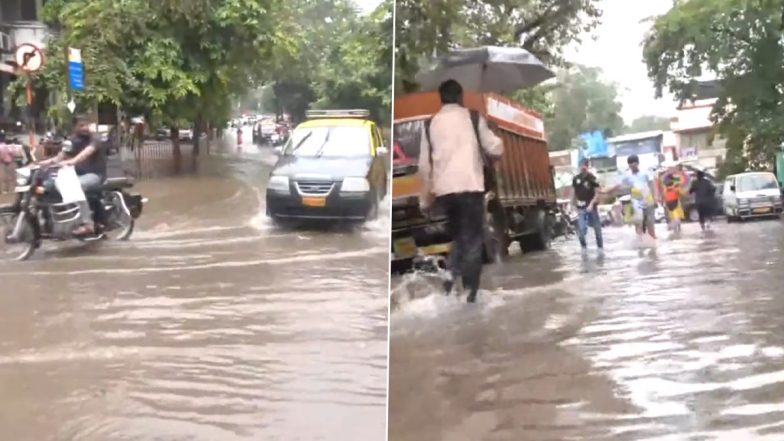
(96, 163)
(703, 190)
(585, 185)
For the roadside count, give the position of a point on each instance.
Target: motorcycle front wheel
(18, 250)
(120, 222)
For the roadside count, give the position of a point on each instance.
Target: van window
(756, 182)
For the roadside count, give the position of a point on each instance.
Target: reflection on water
(207, 325)
(679, 342)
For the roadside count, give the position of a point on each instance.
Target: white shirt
(457, 163)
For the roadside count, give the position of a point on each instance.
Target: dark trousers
(466, 216)
(705, 211)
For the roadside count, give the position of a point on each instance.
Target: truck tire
(542, 238)
(495, 241)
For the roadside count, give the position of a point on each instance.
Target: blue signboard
(75, 70)
(595, 145)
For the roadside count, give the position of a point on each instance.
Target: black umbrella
(487, 69)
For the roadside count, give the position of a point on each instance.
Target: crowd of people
(645, 194)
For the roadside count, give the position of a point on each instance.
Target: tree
(741, 42)
(357, 71)
(543, 27)
(582, 102)
(648, 123)
(174, 61)
(343, 59)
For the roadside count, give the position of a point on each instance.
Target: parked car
(186, 135)
(332, 167)
(749, 195)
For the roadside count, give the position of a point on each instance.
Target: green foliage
(178, 61)
(543, 27)
(742, 43)
(343, 59)
(582, 102)
(647, 123)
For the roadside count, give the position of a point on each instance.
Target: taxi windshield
(329, 141)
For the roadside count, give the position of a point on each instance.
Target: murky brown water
(682, 343)
(208, 325)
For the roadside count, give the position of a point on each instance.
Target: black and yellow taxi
(332, 167)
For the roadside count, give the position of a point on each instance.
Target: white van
(755, 194)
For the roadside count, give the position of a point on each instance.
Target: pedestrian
(673, 184)
(672, 202)
(454, 144)
(239, 135)
(643, 204)
(704, 199)
(586, 198)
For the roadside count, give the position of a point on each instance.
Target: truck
(520, 197)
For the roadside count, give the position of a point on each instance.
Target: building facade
(697, 142)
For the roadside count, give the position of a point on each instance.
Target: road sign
(71, 105)
(29, 58)
(75, 70)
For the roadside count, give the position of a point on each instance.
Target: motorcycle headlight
(355, 185)
(279, 184)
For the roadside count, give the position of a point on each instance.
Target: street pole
(30, 121)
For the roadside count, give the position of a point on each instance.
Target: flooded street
(683, 342)
(210, 324)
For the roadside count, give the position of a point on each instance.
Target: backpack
(671, 197)
(487, 168)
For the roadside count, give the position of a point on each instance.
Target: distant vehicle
(264, 131)
(749, 195)
(186, 135)
(332, 168)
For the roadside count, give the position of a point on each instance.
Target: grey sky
(618, 51)
(367, 5)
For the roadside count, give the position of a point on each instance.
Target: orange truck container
(520, 197)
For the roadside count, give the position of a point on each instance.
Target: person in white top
(452, 175)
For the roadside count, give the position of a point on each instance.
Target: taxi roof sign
(348, 113)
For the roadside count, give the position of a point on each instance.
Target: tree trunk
(174, 134)
(198, 127)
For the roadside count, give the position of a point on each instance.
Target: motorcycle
(566, 219)
(38, 214)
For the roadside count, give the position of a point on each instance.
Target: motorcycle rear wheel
(121, 223)
(21, 250)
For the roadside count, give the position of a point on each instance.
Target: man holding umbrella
(451, 168)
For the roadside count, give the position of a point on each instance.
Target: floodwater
(210, 324)
(683, 342)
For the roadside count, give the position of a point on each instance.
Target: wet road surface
(209, 324)
(684, 342)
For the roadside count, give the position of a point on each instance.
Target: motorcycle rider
(88, 157)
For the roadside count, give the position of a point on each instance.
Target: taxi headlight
(279, 184)
(355, 185)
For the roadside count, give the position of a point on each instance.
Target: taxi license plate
(762, 210)
(314, 202)
(405, 248)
